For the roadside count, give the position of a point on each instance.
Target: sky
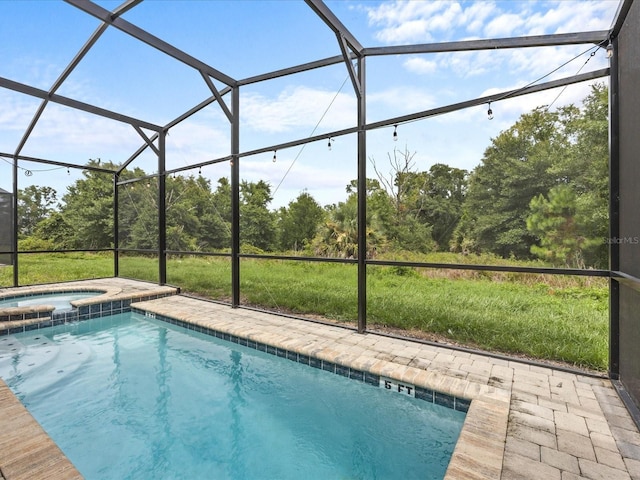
(245, 38)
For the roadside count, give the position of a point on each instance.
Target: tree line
(539, 191)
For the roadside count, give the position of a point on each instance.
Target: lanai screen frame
(352, 53)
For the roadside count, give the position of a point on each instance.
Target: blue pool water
(61, 301)
(127, 397)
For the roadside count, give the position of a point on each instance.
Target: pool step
(20, 356)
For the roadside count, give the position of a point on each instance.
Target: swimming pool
(130, 397)
(60, 301)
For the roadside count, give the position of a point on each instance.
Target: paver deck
(524, 422)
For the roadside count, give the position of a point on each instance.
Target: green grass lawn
(552, 318)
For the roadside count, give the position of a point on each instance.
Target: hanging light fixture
(395, 133)
(329, 143)
(609, 49)
(274, 157)
(490, 112)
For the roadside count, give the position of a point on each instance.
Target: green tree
(35, 204)
(257, 223)
(299, 222)
(88, 208)
(193, 219)
(54, 230)
(423, 208)
(553, 220)
(441, 201)
(219, 226)
(581, 194)
(133, 203)
(515, 168)
(338, 235)
(399, 215)
(138, 211)
(590, 174)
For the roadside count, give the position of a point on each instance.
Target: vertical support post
(162, 209)
(116, 227)
(235, 197)
(362, 199)
(14, 236)
(614, 215)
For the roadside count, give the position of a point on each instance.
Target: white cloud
(411, 30)
(572, 16)
(64, 131)
(475, 16)
(504, 25)
(402, 98)
(16, 112)
(471, 64)
(193, 142)
(420, 65)
(326, 185)
(405, 21)
(297, 107)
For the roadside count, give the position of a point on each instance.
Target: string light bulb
(200, 171)
(395, 133)
(609, 49)
(329, 143)
(274, 157)
(68, 172)
(490, 112)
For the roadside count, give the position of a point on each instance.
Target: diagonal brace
(216, 94)
(344, 48)
(147, 140)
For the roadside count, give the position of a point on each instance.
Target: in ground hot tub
(60, 300)
(41, 305)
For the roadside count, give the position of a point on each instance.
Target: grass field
(546, 317)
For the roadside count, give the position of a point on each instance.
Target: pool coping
(26, 451)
